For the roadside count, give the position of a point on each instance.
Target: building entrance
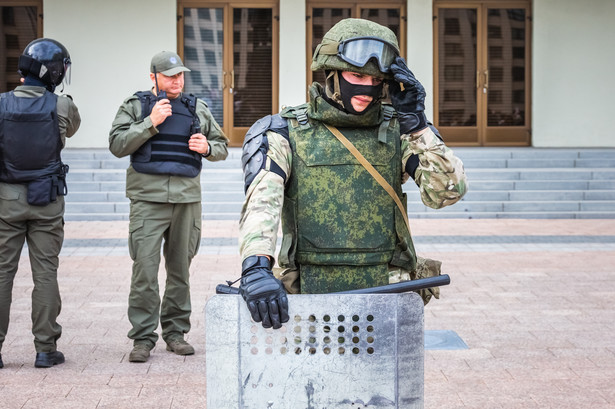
(482, 72)
(233, 54)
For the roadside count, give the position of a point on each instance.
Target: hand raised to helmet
(263, 293)
(409, 102)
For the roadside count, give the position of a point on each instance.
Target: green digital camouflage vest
(340, 227)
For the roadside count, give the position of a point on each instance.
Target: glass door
(322, 16)
(232, 52)
(457, 77)
(506, 76)
(482, 73)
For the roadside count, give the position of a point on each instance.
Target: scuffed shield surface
(337, 351)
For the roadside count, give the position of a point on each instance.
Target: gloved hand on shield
(264, 294)
(409, 103)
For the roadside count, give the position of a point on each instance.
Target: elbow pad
(256, 145)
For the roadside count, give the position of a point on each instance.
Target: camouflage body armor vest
(340, 227)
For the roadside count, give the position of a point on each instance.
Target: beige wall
(420, 47)
(573, 75)
(293, 65)
(111, 44)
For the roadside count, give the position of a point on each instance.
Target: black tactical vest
(30, 142)
(168, 152)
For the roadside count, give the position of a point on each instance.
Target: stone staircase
(504, 183)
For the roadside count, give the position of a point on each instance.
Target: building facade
(497, 72)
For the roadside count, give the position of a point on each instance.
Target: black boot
(48, 359)
(1, 363)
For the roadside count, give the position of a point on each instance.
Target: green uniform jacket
(129, 131)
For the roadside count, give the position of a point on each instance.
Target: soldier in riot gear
(342, 228)
(166, 133)
(34, 125)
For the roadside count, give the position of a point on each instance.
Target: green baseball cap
(167, 63)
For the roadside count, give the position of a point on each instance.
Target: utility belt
(46, 189)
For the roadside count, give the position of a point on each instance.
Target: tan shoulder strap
(372, 171)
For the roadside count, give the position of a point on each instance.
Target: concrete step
(533, 153)
(504, 183)
(412, 215)
(562, 175)
(544, 174)
(482, 159)
(464, 207)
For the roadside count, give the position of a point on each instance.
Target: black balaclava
(32, 80)
(348, 90)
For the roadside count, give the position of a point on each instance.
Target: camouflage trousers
(425, 268)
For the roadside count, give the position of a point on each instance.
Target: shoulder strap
(299, 115)
(7, 95)
(145, 98)
(372, 171)
(387, 112)
(190, 102)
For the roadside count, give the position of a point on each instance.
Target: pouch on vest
(46, 189)
(40, 191)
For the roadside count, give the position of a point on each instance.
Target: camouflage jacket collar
(320, 109)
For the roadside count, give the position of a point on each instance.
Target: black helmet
(45, 59)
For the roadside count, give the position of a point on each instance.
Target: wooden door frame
(25, 3)
(39, 31)
(235, 134)
(355, 7)
(482, 134)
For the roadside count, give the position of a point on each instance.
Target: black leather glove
(264, 294)
(409, 103)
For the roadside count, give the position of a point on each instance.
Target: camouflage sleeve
(260, 214)
(440, 175)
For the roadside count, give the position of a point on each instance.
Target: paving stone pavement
(532, 299)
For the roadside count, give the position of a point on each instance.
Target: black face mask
(348, 90)
(32, 80)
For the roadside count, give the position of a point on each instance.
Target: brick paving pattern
(532, 299)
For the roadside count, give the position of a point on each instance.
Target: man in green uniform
(34, 125)
(344, 226)
(166, 133)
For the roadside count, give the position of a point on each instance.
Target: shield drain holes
(354, 336)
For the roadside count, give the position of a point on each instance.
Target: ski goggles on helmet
(359, 50)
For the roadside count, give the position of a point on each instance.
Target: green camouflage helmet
(326, 54)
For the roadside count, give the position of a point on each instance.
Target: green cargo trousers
(43, 228)
(179, 225)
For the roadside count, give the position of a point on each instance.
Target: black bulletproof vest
(168, 152)
(30, 142)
